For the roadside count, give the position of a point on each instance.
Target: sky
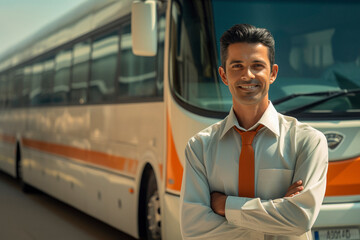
(19, 19)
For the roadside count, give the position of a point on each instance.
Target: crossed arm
(218, 199)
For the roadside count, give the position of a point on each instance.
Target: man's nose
(246, 74)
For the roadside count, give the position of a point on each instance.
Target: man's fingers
(294, 194)
(296, 184)
(294, 189)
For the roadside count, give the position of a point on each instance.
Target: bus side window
(103, 67)
(26, 86)
(10, 89)
(47, 82)
(3, 87)
(17, 87)
(62, 77)
(137, 76)
(35, 86)
(80, 72)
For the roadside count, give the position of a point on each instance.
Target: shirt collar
(269, 119)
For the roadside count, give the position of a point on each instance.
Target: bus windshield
(316, 50)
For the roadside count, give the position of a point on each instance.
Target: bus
(96, 109)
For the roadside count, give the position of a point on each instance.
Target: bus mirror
(144, 28)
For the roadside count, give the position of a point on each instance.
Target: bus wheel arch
(149, 216)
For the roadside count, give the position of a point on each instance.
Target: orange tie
(247, 164)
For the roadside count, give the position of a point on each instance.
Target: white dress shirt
(286, 151)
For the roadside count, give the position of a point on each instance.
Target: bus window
(17, 87)
(26, 86)
(137, 73)
(193, 69)
(47, 82)
(62, 77)
(103, 67)
(80, 73)
(35, 86)
(318, 54)
(3, 92)
(11, 86)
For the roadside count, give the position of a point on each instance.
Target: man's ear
(223, 75)
(274, 72)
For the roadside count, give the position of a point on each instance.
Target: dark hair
(249, 34)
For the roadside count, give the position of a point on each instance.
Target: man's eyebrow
(259, 61)
(236, 61)
(240, 61)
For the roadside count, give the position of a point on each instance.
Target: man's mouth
(248, 87)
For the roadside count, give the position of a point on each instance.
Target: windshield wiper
(329, 94)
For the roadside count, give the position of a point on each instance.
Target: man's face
(248, 74)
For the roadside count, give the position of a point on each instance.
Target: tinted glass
(47, 81)
(316, 48)
(17, 87)
(80, 72)
(192, 56)
(62, 77)
(35, 86)
(103, 67)
(137, 73)
(26, 86)
(3, 90)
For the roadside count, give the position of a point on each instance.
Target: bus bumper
(338, 214)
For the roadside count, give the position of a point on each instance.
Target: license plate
(337, 233)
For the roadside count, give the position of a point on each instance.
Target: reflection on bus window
(80, 72)
(193, 70)
(3, 91)
(103, 67)
(317, 54)
(137, 73)
(16, 87)
(35, 88)
(62, 77)
(47, 82)
(26, 86)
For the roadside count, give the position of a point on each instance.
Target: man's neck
(249, 115)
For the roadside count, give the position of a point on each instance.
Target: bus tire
(153, 210)
(149, 206)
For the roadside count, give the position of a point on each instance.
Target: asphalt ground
(38, 216)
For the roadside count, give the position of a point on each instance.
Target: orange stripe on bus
(94, 157)
(7, 138)
(343, 178)
(174, 169)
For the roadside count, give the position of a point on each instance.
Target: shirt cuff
(233, 207)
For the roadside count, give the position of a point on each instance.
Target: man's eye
(258, 66)
(236, 66)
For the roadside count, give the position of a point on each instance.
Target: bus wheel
(153, 212)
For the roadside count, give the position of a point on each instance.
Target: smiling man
(257, 174)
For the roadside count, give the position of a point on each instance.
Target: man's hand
(294, 189)
(218, 201)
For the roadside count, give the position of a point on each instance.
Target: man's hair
(249, 34)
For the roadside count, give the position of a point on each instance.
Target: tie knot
(248, 136)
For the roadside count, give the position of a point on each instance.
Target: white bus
(85, 120)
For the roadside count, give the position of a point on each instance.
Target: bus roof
(89, 16)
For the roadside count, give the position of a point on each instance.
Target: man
(269, 188)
